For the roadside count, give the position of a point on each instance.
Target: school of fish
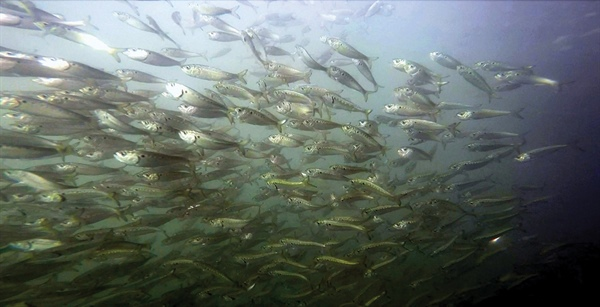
(267, 187)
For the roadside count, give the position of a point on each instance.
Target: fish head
(127, 156)
(435, 55)
(407, 123)
(390, 108)
(8, 102)
(187, 109)
(187, 136)
(524, 157)
(471, 146)
(122, 16)
(275, 138)
(136, 53)
(480, 65)
(464, 115)
(310, 149)
(456, 166)
(54, 63)
(150, 126)
(176, 90)
(405, 152)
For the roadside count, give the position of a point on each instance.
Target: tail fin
(517, 113)
(241, 75)
(306, 77)
(233, 12)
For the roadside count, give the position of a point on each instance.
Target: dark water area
(211, 209)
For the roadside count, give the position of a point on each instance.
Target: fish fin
(367, 112)
(370, 60)
(575, 144)
(280, 125)
(114, 52)
(233, 11)
(241, 75)
(517, 113)
(88, 22)
(366, 94)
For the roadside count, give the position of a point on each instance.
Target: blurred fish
(150, 57)
(176, 17)
(159, 31)
(79, 36)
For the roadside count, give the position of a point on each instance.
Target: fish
(256, 117)
(488, 113)
(159, 31)
(180, 53)
(445, 60)
(345, 49)
(145, 158)
(211, 73)
(79, 36)
(346, 79)
(525, 77)
(139, 76)
(476, 80)
(220, 36)
(176, 17)
(150, 57)
(135, 22)
(538, 152)
(214, 10)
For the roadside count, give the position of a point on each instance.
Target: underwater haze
(299, 153)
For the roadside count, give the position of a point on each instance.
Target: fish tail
(453, 128)
(367, 112)
(370, 60)
(114, 52)
(233, 11)
(516, 113)
(280, 125)
(241, 76)
(306, 77)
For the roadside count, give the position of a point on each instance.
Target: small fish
(538, 152)
(308, 59)
(476, 80)
(366, 72)
(487, 113)
(146, 158)
(256, 117)
(150, 57)
(220, 36)
(180, 53)
(345, 49)
(176, 17)
(346, 79)
(214, 10)
(79, 36)
(159, 31)
(139, 76)
(524, 77)
(499, 66)
(444, 60)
